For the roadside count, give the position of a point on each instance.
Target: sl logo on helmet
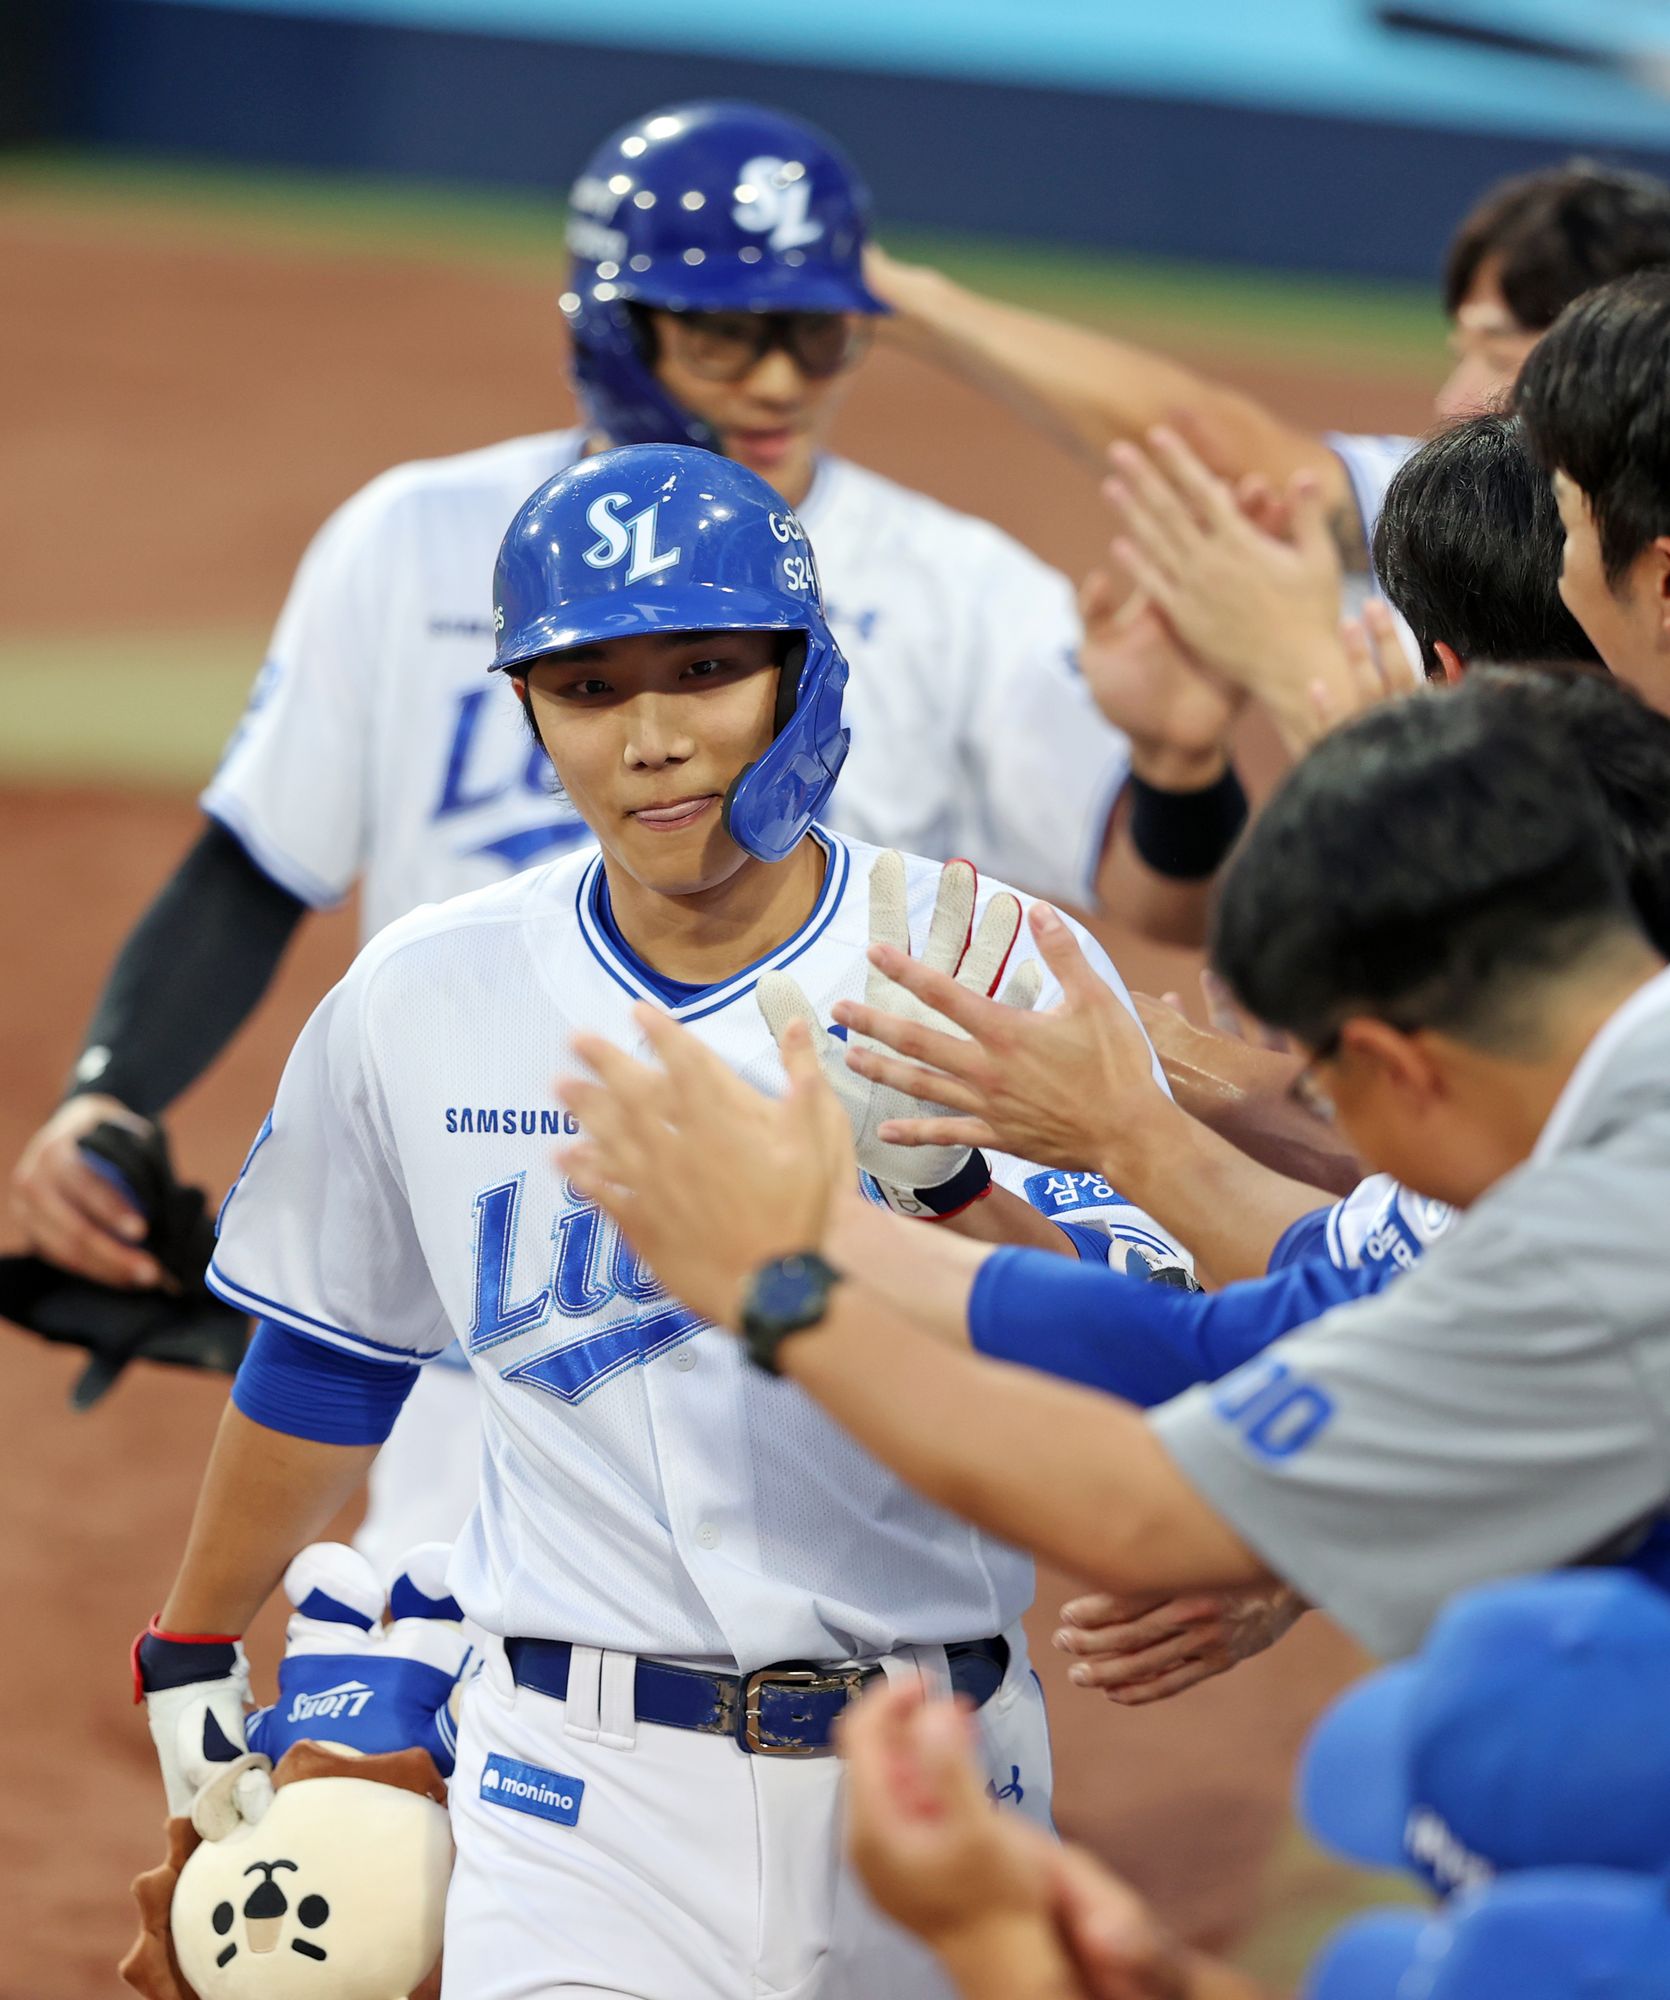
(772, 197)
(636, 533)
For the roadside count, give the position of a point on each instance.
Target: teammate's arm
(1089, 390)
(1073, 1087)
(190, 973)
(1076, 1477)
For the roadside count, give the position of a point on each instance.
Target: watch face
(785, 1292)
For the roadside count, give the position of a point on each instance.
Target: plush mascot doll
(325, 1878)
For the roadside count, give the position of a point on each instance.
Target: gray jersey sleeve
(1489, 1415)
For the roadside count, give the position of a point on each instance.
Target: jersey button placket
(707, 1535)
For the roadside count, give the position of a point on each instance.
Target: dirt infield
(176, 420)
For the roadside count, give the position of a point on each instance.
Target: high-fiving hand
(972, 960)
(1073, 1087)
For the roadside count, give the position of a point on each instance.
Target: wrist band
(1185, 835)
(969, 1184)
(176, 1659)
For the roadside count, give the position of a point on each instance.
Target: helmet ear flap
(788, 682)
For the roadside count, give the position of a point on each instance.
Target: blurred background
(252, 255)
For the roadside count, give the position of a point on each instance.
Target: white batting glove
(908, 1176)
(195, 1690)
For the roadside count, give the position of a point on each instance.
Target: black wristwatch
(785, 1296)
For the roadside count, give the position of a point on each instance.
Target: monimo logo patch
(526, 1788)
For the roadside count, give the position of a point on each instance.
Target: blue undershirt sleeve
(1308, 1237)
(1143, 1342)
(309, 1389)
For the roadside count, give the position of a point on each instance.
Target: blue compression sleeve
(1141, 1341)
(309, 1389)
(1308, 1237)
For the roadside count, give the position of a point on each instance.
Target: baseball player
(685, 1560)
(716, 298)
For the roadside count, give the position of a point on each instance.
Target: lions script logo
(526, 1788)
(330, 1704)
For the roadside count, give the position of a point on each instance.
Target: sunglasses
(726, 346)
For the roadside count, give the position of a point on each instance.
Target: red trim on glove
(155, 1630)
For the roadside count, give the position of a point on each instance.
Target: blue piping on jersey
(627, 976)
(291, 876)
(239, 1297)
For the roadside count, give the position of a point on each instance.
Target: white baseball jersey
(377, 747)
(1381, 1221)
(644, 1488)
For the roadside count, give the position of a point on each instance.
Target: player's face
(645, 735)
(1630, 622)
(1489, 346)
(770, 400)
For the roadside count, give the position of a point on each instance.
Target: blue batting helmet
(669, 538)
(703, 208)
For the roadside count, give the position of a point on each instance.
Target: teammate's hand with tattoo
(1140, 1650)
(73, 1215)
(1072, 1087)
(661, 1138)
(1178, 714)
(1259, 610)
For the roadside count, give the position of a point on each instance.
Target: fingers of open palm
(619, 1135)
(989, 948)
(1269, 511)
(915, 1082)
(889, 901)
(952, 922)
(1151, 517)
(783, 1003)
(1157, 494)
(1137, 1631)
(1163, 1686)
(1207, 497)
(1392, 664)
(1022, 987)
(621, 1075)
(1130, 1669)
(1098, 600)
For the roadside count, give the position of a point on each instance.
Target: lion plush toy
(325, 1878)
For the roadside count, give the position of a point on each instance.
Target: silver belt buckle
(849, 1678)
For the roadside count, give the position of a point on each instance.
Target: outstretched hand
(706, 1177)
(1141, 1650)
(1260, 609)
(1006, 1907)
(1073, 1087)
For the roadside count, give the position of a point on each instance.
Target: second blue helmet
(703, 208)
(671, 538)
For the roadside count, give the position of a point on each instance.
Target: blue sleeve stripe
(260, 1307)
(288, 1382)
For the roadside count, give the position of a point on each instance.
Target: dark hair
(1558, 233)
(1595, 397)
(1430, 864)
(1624, 747)
(1468, 548)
